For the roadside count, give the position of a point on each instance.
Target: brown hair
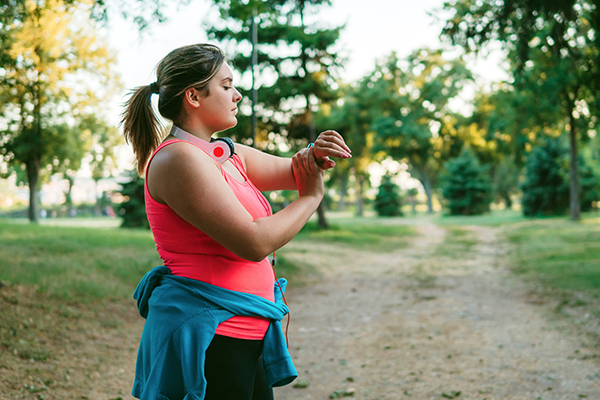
(183, 68)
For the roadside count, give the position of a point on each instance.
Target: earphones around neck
(220, 149)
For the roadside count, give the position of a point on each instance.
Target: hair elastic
(154, 87)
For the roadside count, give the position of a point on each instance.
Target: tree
(413, 123)
(545, 191)
(297, 54)
(388, 202)
(590, 185)
(102, 158)
(553, 45)
(133, 209)
(351, 115)
(505, 181)
(466, 185)
(55, 72)
(68, 150)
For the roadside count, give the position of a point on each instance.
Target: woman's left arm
(268, 172)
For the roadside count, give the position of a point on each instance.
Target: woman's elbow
(254, 253)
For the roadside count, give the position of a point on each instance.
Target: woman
(214, 230)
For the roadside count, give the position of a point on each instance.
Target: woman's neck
(196, 129)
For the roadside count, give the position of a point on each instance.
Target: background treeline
(532, 137)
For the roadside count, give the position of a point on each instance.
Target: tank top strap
(237, 162)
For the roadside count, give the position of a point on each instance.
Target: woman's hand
(330, 144)
(308, 175)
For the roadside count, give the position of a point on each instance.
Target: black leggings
(234, 370)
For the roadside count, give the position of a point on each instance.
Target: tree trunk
(33, 174)
(359, 196)
(321, 214)
(507, 201)
(97, 211)
(413, 204)
(575, 206)
(343, 191)
(69, 195)
(427, 186)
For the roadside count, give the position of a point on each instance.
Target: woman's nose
(237, 97)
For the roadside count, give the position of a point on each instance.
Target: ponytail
(141, 128)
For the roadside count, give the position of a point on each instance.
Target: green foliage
(299, 55)
(554, 52)
(49, 68)
(133, 209)
(411, 119)
(545, 191)
(589, 182)
(466, 185)
(546, 185)
(388, 202)
(352, 118)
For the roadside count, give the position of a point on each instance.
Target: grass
(457, 242)
(494, 218)
(372, 233)
(75, 263)
(560, 254)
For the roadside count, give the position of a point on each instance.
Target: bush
(388, 200)
(466, 185)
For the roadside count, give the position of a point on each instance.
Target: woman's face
(219, 108)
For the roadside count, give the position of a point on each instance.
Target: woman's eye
(228, 87)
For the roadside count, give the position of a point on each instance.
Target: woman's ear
(192, 97)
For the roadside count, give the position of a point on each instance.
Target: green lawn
(372, 233)
(75, 263)
(560, 254)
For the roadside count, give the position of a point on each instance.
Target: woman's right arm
(189, 181)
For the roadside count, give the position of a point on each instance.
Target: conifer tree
(466, 185)
(544, 189)
(388, 202)
(133, 209)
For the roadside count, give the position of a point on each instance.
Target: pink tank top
(189, 252)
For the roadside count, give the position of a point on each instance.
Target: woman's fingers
(312, 162)
(331, 144)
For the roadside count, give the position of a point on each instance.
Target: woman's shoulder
(175, 157)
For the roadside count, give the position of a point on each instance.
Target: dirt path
(413, 324)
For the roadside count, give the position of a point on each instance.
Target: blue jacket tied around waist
(182, 315)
